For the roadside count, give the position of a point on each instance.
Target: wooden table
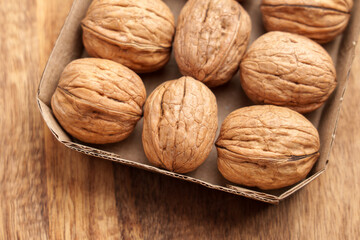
(49, 191)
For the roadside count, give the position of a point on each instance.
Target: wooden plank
(23, 200)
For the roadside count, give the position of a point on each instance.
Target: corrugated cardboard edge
(231, 189)
(264, 197)
(354, 44)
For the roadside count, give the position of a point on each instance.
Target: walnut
(289, 70)
(137, 34)
(180, 123)
(211, 38)
(266, 146)
(98, 101)
(321, 20)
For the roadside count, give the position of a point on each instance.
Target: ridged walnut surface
(267, 147)
(180, 123)
(321, 20)
(98, 101)
(211, 38)
(288, 70)
(135, 33)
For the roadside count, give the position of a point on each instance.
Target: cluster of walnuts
(271, 145)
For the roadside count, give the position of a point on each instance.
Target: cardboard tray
(229, 97)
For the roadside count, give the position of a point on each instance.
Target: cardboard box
(229, 97)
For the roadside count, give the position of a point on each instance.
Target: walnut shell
(98, 101)
(137, 34)
(211, 38)
(289, 70)
(266, 146)
(321, 20)
(180, 123)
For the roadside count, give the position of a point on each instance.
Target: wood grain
(23, 200)
(50, 192)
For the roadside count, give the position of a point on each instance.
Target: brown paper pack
(229, 97)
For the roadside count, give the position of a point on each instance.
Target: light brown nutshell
(180, 123)
(135, 33)
(266, 146)
(321, 20)
(288, 70)
(211, 38)
(98, 101)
